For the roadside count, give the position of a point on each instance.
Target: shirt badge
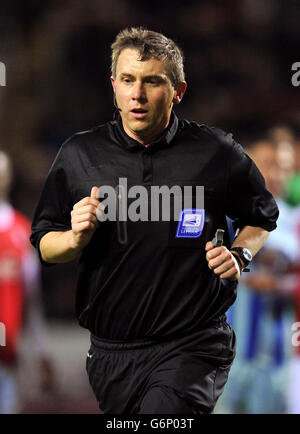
(190, 224)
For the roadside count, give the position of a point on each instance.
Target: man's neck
(146, 139)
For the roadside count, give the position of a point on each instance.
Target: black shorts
(185, 375)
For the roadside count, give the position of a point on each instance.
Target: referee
(153, 292)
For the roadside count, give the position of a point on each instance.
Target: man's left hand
(222, 262)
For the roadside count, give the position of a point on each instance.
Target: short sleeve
(55, 203)
(248, 201)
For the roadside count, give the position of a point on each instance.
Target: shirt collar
(165, 139)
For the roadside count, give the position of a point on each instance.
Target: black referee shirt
(156, 284)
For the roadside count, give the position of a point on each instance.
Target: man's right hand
(59, 247)
(84, 220)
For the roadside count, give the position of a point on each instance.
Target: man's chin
(139, 126)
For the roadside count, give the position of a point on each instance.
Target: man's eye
(127, 80)
(152, 81)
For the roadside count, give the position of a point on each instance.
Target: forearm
(251, 237)
(58, 247)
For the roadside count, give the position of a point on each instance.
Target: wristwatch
(243, 254)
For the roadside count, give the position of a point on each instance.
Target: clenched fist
(222, 262)
(84, 220)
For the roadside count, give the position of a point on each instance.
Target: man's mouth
(139, 113)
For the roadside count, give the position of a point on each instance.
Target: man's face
(145, 95)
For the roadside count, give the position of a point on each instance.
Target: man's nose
(138, 92)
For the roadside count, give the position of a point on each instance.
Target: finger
(82, 202)
(214, 252)
(84, 217)
(209, 246)
(80, 227)
(223, 256)
(224, 267)
(94, 192)
(86, 201)
(86, 209)
(100, 211)
(231, 274)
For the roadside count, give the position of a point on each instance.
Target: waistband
(117, 345)
(113, 345)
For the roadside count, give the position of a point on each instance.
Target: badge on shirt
(190, 224)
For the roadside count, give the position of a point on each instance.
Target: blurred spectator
(293, 184)
(264, 311)
(19, 297)
(288, 149)
(294, 377)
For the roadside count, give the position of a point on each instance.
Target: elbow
(42, 247)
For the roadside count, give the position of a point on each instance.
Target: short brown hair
(149, 44)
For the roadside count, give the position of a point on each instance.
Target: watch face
(247, 254)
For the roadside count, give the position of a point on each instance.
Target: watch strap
(239, 262)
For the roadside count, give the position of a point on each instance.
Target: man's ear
(112, 80)
(179, 92)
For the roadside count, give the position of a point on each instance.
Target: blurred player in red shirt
(19, 294)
